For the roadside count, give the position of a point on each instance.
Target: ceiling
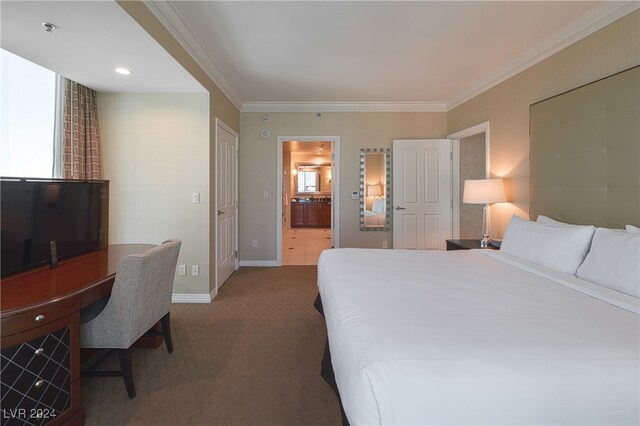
(373, 51)
(308, 147)
(92, 39)
(319, 55)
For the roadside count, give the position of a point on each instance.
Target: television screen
(36, 212)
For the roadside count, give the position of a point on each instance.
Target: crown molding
(344, 107)
(597, 18)
(173, 21)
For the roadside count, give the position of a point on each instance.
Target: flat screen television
(35, 212)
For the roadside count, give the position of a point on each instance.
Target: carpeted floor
(250, 357)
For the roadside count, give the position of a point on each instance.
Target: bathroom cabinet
(310, 214)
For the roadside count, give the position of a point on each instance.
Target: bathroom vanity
(311, 213)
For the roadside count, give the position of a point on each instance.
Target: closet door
(422, 194)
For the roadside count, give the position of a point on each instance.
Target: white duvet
(474, 337)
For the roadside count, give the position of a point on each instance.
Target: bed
(502, 341)
(544, 331)
(376, 216)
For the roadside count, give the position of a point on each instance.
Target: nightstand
(468, 245)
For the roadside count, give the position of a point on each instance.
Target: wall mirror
(375, 189)
(312, 178)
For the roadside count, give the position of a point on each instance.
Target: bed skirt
(326, 368)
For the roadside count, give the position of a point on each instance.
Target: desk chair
(141, 297)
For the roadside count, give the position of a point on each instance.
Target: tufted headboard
(584, 153)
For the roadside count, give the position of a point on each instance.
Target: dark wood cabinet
(297, 215)
(313, 214)
(325, 214)
(310, 215)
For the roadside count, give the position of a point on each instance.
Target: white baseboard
(191, 298)
(258, 263)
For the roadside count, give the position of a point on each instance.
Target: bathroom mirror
(375, 189)
(312, 178)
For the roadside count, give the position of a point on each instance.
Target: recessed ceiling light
(123, 71)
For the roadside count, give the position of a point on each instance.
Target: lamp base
(485, 241)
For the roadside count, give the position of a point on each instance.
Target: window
(307, 181)
(27, 118)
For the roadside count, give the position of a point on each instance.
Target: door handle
(220, 212)
(400, 208)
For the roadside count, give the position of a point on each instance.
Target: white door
(226, 201)
(421, 194)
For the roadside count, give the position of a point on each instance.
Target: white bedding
(461, 338)
(373, 219)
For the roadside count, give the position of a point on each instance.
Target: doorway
(470, 161)
(308, 198)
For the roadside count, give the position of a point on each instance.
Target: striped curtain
(81, 139)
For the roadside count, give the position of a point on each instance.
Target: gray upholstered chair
(141, 297)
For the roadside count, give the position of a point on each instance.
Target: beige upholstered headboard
(585, 153)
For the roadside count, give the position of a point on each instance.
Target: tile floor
(302, 246)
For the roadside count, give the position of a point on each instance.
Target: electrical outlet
(195, 270)
(254, 243)
(384, 244)
(195, 198)
(182, 270)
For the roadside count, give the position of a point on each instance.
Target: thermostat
(354, 195)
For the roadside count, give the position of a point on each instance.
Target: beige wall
(219, 105)
(356, 130)
(506, 106)
(155, 150)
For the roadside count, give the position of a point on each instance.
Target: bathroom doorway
(308, 198)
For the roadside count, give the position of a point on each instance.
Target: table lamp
(484, 191)
(374, 191)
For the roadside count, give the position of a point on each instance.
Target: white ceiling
(413, 55)
(92, 38)
(374, 51)
(308, 147)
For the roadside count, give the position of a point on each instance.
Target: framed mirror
(375, 189)
(312, 179)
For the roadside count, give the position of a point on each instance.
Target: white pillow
(633, 229)
(562, 248)
(548, 221)
(614, 261)
(378, 206)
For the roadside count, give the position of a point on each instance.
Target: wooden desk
(40, 312)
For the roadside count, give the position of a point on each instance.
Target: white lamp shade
(484, 191)
(373, 190)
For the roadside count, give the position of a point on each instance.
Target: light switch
(265, 194)
(195, 198)
(195, 270)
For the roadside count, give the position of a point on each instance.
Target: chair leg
(127, 371)
(165, 321)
